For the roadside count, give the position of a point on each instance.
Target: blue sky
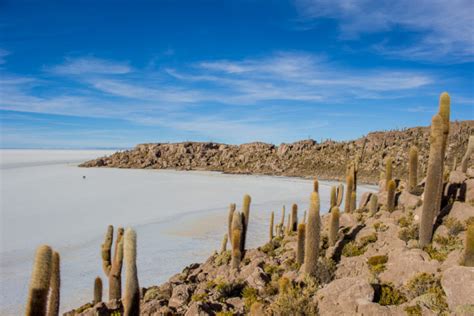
(76, 74)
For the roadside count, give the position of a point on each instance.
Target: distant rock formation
(306, 158)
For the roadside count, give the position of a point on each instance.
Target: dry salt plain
(180, 217)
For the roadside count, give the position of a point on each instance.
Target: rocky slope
(306, 158)
(375, 267)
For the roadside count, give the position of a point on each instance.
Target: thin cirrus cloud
(441, 30)
(90, 65)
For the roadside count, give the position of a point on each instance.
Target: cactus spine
(388, 170)
(333, 226)
(300, 244)
(412, 168)
(229, 221)
(237, 228)
(468, 256)
(434, 172)
(467, 155)
(313, 226)
(131, 298)
(340, 195)
(294, 218)
(333, 200)
(245, 220)
(348, 200)
(272, 218)
(373, 204)
(224, 244)
(97, 290)
(112, 266)
(54, 286)
(315, 185)
(40, 280)
(391, 195)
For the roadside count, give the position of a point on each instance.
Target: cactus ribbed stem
(349, 189)
(237, 227)
(333, 199)
(55, 286)
(388, 170)
(294, 218)
(412, 168)
(272, 219)
(224, 244)
(229, 220)
(131, 297)
(373, 204)
(245, 219)
(313, 226)
(333, 226)
(300, 244)
(40, 280)
(353, 201)
(340, 195)
(97, 290)
(391, 195)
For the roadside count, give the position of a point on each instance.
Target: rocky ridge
(306, 158)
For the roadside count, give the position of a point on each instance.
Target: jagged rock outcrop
(306, 158)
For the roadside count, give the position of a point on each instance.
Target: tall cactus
(373, 204)
(229, 221)
(333, 226)
(294, 217)
(340, 195)
(412, 168)
(388, 171)
(300, 244)
(131, 297)
(40, 280)
(54, 286)
(112, 266)
(288, 225)
(313, 227)
(391, 195)
(315, 185)
(97, 290)
(468, 154)
(224, 244)
(272, 218)
(237, 228)
(353, 201)
(468, 256)
(333, 199)
(349, 189)
(434, 172)
(245, 219)
(444, 112)
(282, 222)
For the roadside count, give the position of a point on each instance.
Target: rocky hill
(307, 158)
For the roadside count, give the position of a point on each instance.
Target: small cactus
(54, 286)
(340, 194)
(391, 195)
(373, 204)
(300, 244)
(224, 244)
(313, 227)
(282, 222)
(97, 290)
(237, 228)
(288, 225)
(245, 219)
(468, 154)
(434, 172)
(349, 186)
(40, 281)
(413, 168)
(294, 217)
(272, 218)
(315, 185)
(113, 265)
(229, 219)
(131, 297)
(333, 226)
(388, 170)
(333, 199)
(468, 256)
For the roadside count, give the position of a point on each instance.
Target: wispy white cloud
(442, 29)
(90, 65)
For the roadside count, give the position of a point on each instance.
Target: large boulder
(458, 284)
(343, 296)
(181, 295)
(408, 200)
(461, 211)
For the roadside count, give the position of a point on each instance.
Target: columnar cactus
(315, 185)
(229, 220)
(333, 199)
(333, 226)
(282, 222)
(300, 244)
(245, 219)
(288, 225)
(40, 280)
(237, 228)
(434, 172)
(131, 297)
(224, 244)
(349, 186)
(468, 256)
(388, 170)
(391, 195)
(468, 154)
(444, 112)
(313, 227)
(373, 204)
(340, 195)
(412, 168)
(272, 218)
(353, 201)
(294, 218)
(304, 217)
(97, 290)
(54, 286)
(112, 266)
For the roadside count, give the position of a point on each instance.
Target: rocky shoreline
(306, 158)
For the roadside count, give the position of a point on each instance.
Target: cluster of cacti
(294, 218)
(333, 226)
(97, 290)
(468, 256)
(412, 168)
(43, 297)
(237, 233)
(224, 243)
(300, 244)
(112, 266)
(373, 204)
(312, 235)
(391, 186)
(468, 154)
(349, 186)
(131, 297)
(434, 176)
(272, 218)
